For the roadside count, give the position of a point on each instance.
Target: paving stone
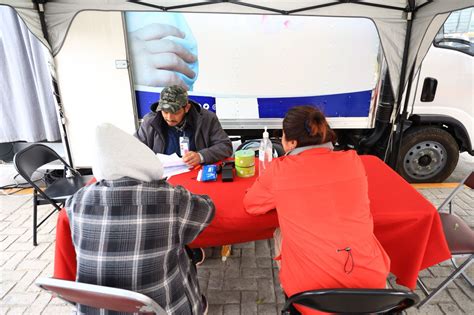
(427, 309)
(264, 262)
(216, 279)
(257, 273)
(38, 251)
(40, 303)
(12, 275)
(245, 245)
(17, 231)
(235, 252)
(262, 248)
(215, 309)
(19, 246)
(223, 296)
(3, 226)
(232, 309)
(232, 272)
(246, 252)
(20, 299)
(425, 273)
(7, 242)
(248, 308)
(27, 281)
(203, 285)
(212, 263)
(450, 308)
(441, 271)
(5, 287)
(249, 297)
(434, 282)
(58, 310)
(240, 284)
(462, 300)
(266, 291)
(280, 296)
(464, 286)
(248, 261)
(15, 260)
(16, 310)
(267, 309)
(32, 264)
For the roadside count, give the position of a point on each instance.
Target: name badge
(184, 145)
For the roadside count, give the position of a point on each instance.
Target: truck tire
(427, 154)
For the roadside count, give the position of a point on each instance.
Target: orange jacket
(322, 203)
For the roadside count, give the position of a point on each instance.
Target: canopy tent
(406, 27)
(391, 17)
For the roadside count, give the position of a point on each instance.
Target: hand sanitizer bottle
(265, 153)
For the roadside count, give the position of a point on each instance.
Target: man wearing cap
(175, 122)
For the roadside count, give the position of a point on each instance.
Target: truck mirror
(429, 90)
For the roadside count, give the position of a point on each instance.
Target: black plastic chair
(460, 239)
(352, 301)
(27, 161)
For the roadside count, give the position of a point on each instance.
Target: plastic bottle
(265, 153)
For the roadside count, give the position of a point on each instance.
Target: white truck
(250, 68)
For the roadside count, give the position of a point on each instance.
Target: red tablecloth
(406, 224)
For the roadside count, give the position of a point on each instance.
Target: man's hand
(157, 60)
(192, 158)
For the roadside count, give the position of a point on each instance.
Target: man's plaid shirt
(131, 235)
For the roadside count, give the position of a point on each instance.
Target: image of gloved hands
(159, 60)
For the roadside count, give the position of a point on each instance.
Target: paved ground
(247, 283)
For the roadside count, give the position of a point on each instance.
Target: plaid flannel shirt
(130, 234)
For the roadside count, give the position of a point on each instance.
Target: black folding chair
(460, 239)
(27, 162)
(352, 301)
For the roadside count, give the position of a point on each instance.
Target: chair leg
(466, 277)
(422, 286)
(445, 283)
(35, 216)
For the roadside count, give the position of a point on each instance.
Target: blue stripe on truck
(355, 104)
(145, 99)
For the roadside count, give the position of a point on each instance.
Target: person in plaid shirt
(129, 228)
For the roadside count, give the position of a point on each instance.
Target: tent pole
(401, 117)
(39, 5)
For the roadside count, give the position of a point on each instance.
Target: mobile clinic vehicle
(362, 68)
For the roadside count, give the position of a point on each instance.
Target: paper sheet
(172, 164)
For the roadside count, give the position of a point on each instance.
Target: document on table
(172, 164)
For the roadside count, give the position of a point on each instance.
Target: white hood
(118, 154)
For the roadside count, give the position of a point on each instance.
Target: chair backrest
(28, 160)
(100, 297)
(378, 301)
(459, 236)
(468, 181)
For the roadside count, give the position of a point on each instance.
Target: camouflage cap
(172, 99)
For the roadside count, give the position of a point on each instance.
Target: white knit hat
(118, 154)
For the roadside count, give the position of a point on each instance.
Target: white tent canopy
(390, 17)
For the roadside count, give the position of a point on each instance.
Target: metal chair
(354, 301)
(460, 239)
(100, 297)
(28, 161)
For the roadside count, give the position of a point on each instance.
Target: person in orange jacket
(326, 237)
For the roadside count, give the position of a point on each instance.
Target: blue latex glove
(163, 49)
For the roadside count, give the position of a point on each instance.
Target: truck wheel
(427, 154)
